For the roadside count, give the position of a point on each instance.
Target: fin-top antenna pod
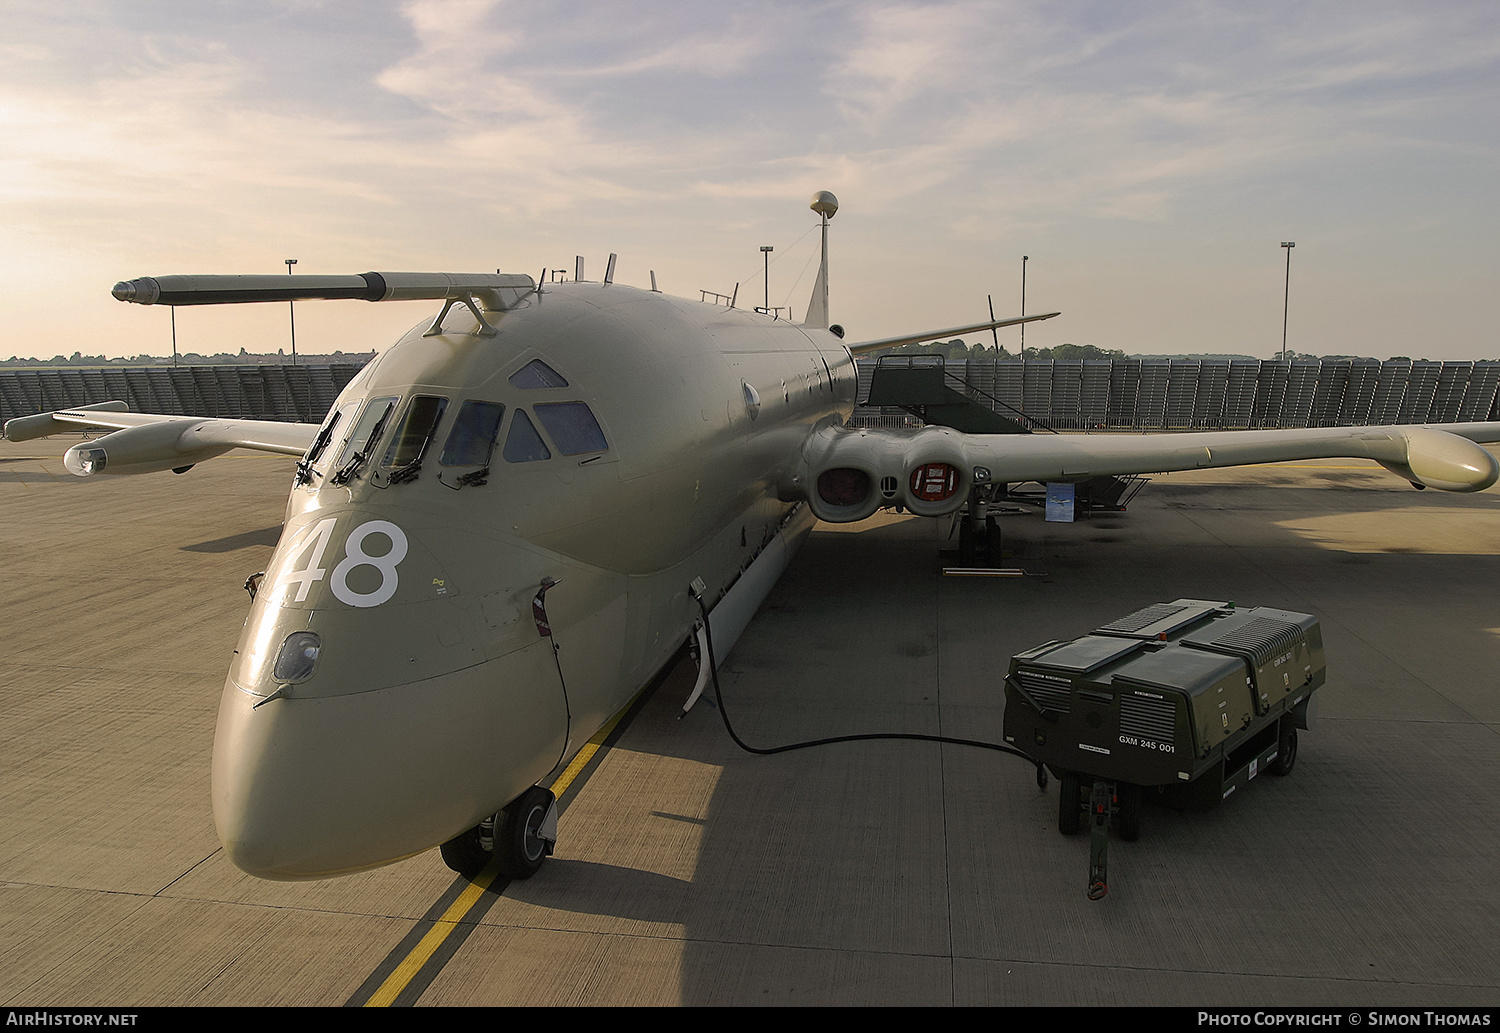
(825, 204)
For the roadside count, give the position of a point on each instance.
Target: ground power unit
(1188, 700)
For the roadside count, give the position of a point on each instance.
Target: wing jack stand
(486, 329)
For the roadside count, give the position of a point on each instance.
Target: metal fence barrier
(1223, 394)
(1119, 394)
(295, 394)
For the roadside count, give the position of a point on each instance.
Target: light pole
(1286, 296)
(766, 250)
(1024, 259)
(291, 308)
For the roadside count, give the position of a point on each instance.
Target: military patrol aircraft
(517, 514)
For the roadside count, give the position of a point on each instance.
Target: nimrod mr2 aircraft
(512, 518)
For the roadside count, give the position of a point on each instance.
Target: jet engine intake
(925, 473)
(843, 494)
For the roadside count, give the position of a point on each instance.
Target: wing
(145, 442)
(868, 347)
(848, 473)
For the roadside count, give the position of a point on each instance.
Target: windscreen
(472, 438)
(415, 429)
(373, 417)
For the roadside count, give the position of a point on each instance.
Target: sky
(1148, 159)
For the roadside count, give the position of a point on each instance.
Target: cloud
(441, 130)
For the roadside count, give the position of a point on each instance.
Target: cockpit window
(472, 439)
(415, 430)
(523, 444)
(362, 440)
(370, 421)
(327, 434)
(535, 374)
(572, 427)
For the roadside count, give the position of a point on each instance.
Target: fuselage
(395, 682)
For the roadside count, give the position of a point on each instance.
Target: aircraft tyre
(1069, 811)
(518, 841)
(994, 554)
(466, 852)
(1286, 753)
(968, 550)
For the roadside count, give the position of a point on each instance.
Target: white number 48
(355, 556)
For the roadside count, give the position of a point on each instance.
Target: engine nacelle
(145, 449)
(925, 474)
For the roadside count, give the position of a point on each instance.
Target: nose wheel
(518, 838)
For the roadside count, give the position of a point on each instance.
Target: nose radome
(307, 787)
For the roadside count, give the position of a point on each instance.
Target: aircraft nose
(372, 711)
(306, 787)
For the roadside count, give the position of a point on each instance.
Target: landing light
(91, 460)
(298, 657)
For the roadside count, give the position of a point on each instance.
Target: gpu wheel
(1069, 806)
(1286, 751)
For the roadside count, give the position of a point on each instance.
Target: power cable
(1041, 772)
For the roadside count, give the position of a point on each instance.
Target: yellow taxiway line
(453, 917)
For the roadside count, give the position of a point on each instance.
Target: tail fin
(817, 307)
(825, 204)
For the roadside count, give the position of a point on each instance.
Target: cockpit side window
(536, 374)
(472, 439)
(523, 444)
(572, 427)
(337, 421)
(417, 425)
(371, 420)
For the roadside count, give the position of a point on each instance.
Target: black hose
(708, 636)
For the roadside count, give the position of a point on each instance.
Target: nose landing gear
(518, 838)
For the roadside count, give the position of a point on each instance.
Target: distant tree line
(953, 350)
(957, 349)
(192, 359)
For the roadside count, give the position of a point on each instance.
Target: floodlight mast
(1286, 296)
(291, 308)
(765, 251)
(1024, 260)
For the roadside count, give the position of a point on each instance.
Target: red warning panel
(934, 482)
